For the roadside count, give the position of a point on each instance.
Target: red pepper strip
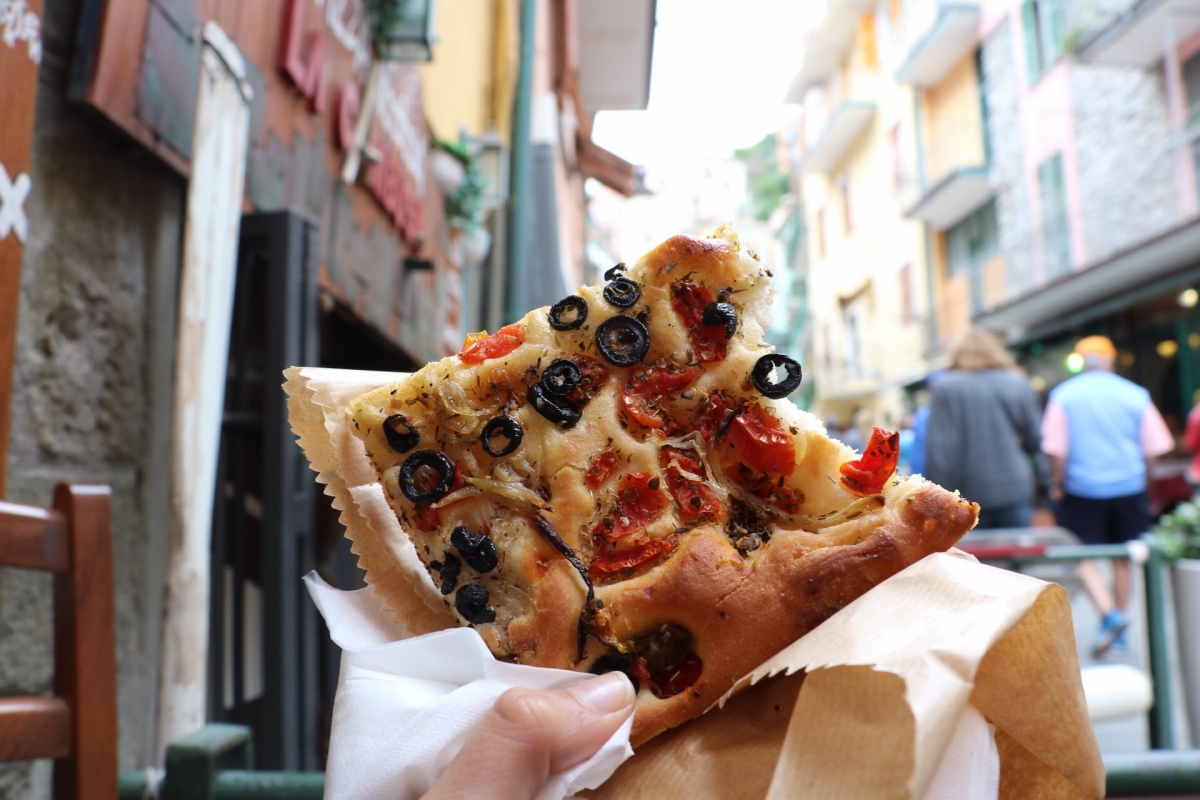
(697, 501)
(610, 562)
(643, 387)
(500, 343)
(603, 467)
(760, 440)
(867, 475)
(638, 504)
(689, 301)
(676, 678)
(426, 518)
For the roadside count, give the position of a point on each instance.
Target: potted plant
(1178, 538)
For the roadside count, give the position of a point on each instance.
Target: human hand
(530, 734)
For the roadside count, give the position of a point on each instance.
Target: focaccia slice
(617, 483)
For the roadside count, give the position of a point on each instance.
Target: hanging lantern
(403, 30)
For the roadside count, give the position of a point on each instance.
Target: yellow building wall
(470, 77)
(953, 127)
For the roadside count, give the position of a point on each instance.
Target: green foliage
(767, 184)
(1178, 533)
(464, 208)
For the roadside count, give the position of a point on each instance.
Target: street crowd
(1087, 458)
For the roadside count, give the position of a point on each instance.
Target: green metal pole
(519, 205)
(1160, 773)
(1162, 734)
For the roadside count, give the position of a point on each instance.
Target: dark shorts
(1111, 520)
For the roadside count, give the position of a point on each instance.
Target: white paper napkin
(404, 708)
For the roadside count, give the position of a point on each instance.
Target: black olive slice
(400, 434)
(471, 603)
(561, 377)
(614, 271)
(623, 341)
(478, 550)
(424, 494)
(617, 662)
(448, 569)
(622, 292)
(722, 314)
(763, 375)
(505, 426)
(569, 313)
(555, 409)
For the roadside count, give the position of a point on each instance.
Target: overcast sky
(720, 70)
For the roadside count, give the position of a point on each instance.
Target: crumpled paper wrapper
(869, 705)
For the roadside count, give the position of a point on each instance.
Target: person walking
(983, 432)
(1102, 435)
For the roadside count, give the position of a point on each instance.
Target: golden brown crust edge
(742, 612)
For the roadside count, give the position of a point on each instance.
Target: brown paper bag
(862, 707)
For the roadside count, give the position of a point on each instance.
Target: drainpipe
(518, 244)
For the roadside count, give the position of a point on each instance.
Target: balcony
(952, 198)
(1136, 37)
(845, 127)
(948, 40)
(826, 45)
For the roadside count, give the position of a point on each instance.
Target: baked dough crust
(740, 607)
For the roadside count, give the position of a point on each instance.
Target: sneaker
(1112, 632)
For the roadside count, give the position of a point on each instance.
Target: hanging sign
(20, 55)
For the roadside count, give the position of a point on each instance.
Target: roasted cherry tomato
(867, 475)
(676, 678)
(610, 562)
(762, 485)
(594, 375)
(696, 500)
(689, 301)
(603, 467)
(761, 442)
(426, 518)
(500, 343)
(640, 501)
(713, 415)
(644, 387)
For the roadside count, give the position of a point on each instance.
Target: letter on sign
(306, 75)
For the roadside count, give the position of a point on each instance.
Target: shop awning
(1163, 262)
(950, 39)
(1135, 37)
(616, 46)
(607, 167)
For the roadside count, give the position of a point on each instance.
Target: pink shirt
(1155, 436)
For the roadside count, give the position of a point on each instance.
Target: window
(1043, 24)
(852, 329)
(899, 171)
(908, 311)
(1056, 244)
(843, 184)
(821, 233)
(867, 49)
(969, 245)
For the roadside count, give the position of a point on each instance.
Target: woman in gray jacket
(984, 431)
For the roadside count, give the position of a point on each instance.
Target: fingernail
(606, 694)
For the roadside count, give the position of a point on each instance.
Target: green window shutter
(1051, 24)
(1033, 51)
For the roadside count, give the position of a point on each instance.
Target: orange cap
(1097, 346)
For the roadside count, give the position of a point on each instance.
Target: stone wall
(1014, 218)
(92, 385)
(1122, 137)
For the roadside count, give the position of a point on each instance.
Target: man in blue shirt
(1102, 434)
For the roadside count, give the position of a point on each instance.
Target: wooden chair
(78, 726)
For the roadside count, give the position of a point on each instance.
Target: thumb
(529, 734)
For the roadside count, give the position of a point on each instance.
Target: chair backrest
(78, 726)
